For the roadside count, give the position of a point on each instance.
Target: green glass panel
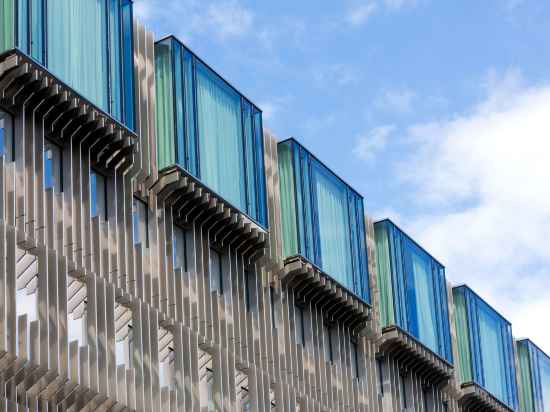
(165, 105)
(384, 276)
(526, 401)
(288, 204)
(462, 335)
(6, 25)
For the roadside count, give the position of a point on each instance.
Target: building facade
(161, 251)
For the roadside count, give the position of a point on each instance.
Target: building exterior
(161, 251)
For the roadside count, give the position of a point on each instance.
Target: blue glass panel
(251, 203)
(23, 24)
(115, 59)
(37, 30)
(128, 64)
(6, 136)
(260, 168)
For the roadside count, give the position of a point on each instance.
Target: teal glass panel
(220, 134)
(322, 218)
(164, 105)
(249, 142)
(259, 166)
(490, 349)
(7, 25)
(333, 223)
(37, 30)
(77, 47)
(23, 24)
(192, 160)
(412, 289)
(181, 152)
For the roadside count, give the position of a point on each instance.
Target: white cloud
(187, 18)
(484, 177)
(374, 141)
(399, 4)
(396, 101)
(360, 14)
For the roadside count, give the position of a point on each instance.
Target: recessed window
(380, 370)
(404, 394)
(329, 353)
(53, 167)
(179, 251)
(140, 219)
(272, 307)
(250, 289)
(216, 271)
(299, 325)
(354, 359)
(98, 195)
(6, 136)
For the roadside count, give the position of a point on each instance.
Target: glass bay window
(322, 218)
(206, 127)
(88, 44)
(485, 347)
(413, 291)
(534, 377)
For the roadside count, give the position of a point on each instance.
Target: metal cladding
(97, 314)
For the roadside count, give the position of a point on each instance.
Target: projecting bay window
(413, 290)
(6, 135)
(98, 195)
(140, 219)
(322, 218)
(485, 347)
(534, 377)
(86, 44)
(179, 251)
(206, 127)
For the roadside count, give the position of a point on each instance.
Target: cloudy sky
(438, 112)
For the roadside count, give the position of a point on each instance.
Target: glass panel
(165, 105)
(288, 201)
(98, 195)
(463, 337)
(181, 155)
(220, 132)
(190, 119)
(384, 276)
(77, 46)
(128, 63)
(115, 59)
(23, 25)
(7, 38)
(6, 136)
(545, 381)
(260, 168)
(526, 400)
(333, 225)
(251, 205)
(37, 30)
(52, 167)
(180, 249)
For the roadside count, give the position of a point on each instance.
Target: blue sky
(438, 112)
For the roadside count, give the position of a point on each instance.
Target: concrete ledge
(67, 115)
(414, 356)
(474, 397)
(192, 201)
(311, 284)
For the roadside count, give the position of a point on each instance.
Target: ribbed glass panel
(128, 64)
(462, 336)
(534, 378)
(221, 143)
(412, 289)
(115, 58)
(7, 26)
(526, 400)
(288, 201)
(77, 46)
(208, 128)
(164, 104)
(491, 348)
(323, 218)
